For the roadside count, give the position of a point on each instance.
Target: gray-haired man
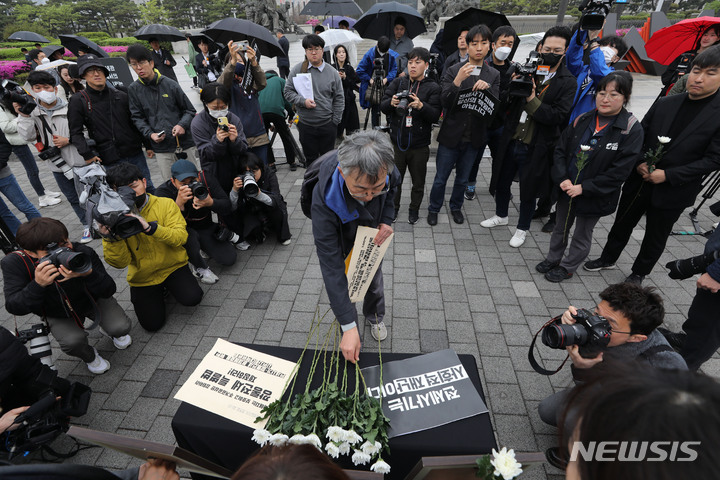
(356, 187)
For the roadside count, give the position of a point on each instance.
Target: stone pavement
(451, 286)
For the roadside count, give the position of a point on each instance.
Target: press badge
(543, 70)
(523, 117)
(408, 121)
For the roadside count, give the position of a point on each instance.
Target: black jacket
(455, 121)
(166, 70)
(419, 134)
(199, 218)
(609, 163)
(214, 65)
(24, 296)
(5, 150)
(106, 115)
(283, 60)
(694, 153)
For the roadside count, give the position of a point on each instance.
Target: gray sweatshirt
(328, 93)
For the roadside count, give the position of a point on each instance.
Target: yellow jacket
(152, 258)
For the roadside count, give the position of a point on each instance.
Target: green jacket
(271, 97)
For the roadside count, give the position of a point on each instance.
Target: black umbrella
(331, 8)
(163, 33)
(75, 43)
(236, 29)
(51, 49)
(212, 45)
(466, 20)
(25, 36)
(379, 20)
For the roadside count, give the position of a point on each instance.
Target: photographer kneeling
(156, 258)
(198, 195)
(64, 283)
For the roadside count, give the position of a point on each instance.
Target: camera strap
(531, 353)
(25, 258)
(46, 130)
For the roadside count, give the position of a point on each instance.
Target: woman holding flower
(592, 159)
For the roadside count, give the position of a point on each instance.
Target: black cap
(88, 61)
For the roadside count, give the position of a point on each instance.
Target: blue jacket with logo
(587, 75)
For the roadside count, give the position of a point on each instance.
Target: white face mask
(46, 97)
(502, 53)
(218, 113)
(608, 53)
(45, 60)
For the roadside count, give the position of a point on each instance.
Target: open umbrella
(466, 20)
(51, 49)
(669, 42)
(54, 64)
(163, 33)
(331, 7)
(334, 21)
(25, 36)
(212, 45)
(237, 29)
(337, 36)
(75, 43)
(379, 20)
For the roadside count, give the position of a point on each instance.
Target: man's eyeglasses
(141, 63)
(314, 49)
(372, 194)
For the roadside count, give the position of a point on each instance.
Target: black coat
(106, 115)
(199, 218)
(423, 119)
(165, 70)
(455, 121)
(694, 153)
(609, 163)
(350, 119)
(283, 60)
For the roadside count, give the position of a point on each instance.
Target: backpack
(310, 179)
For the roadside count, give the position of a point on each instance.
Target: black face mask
(551, 59)
(140, 200)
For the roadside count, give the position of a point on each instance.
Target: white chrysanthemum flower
(585, 148)
(371, 449)
(344, 448)
(314, 440)
(278, 439)
(297, 439)
(505, 464)
(352, 437)
(380, 467)
(261, 436)
(360, 457)
(664, 140)
(335, 434)
(332, 450)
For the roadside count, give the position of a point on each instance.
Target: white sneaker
(519, 238)
(286, 242)
(48, 201)
(50, 193)
(121, 343)
(99, 365)
(242, 245)
(378, 331)
(494, 221)
(207, 276)
(86, 236)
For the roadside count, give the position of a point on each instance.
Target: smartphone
(161, 133)
(242, 45)
(476, 70)
(223, 123)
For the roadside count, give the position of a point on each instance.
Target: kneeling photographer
(199, 195)
(65, 283)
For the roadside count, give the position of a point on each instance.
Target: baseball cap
(183, 169)
(87, 61)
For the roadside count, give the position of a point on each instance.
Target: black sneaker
(635, 279)
(432, 218)
(293, 167)
(675, 339)
(597, 265)
(457, 216)
(470, 192)
(545, 266)
(413, 217)
(558, 274)
(550, 225)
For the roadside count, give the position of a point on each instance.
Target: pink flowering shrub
(623, 31)
(8, 69)
(313, 21)
(113, 49)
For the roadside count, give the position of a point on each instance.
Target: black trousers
(634, 203)
(703, 328)
(204, 239)
(282, 129)
(149, 302)
(415, 160)
(317, 140)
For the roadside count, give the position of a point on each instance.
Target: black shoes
(675, 339)
(556, 458)
(558, 274)
(457, 216)
(432, 218)
(635, 278)
(599, 264)
(545, 266)
(413, 217)
(293, 167)
(550, 225)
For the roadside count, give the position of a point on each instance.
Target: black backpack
(310, 179)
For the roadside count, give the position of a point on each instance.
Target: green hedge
(11, 54)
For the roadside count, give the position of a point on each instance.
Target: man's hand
(574, 191)
(46, 273)
(237, 184)
(6, 421)
(17, 108)
(532, 92)
(205, 202)
(463, 73)
(143, 222)
(94, 159)
(416, 103)
(309, 103)
(222, 134)
(383, 234)
(232, 132)
(657, 176)
(157, 138)
(394, 101)
(481, 85)
(177, 131)
(150, 153)
(69, 274)
(642, 169)
(565, 185)
(251, 56)
(350, 345)
(580, 361)
(184, 194)
(706, 282)
(60, 142)
(156, 469)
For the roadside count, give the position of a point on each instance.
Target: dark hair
(23, 50)
(503, 31)
(153, 39)
(41, 77)
(710, 58)
(634, 402)
(310, 41)
(383, 44)
(279, 30)
(252, 161)
(318, 29)
(33, 54)
(68, 89)
(399, 20)
(557, 31)
(419, 52)
(715, 27)
(138, 52)
(297, 462)
(347, 55)
(623, 83)
(615, 42)
(39, 232)
(214, 91)
(123, 173)
(481, 30)
(641, 305)
(344, 23)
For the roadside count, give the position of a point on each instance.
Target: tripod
(710, 184)
(375, 92)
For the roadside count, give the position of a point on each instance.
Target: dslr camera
(224, 234)
(11, 93)
(402, 107)
(199, 190)
(250, 186)
(76, 262)
(523, 85)
(37, 338)
(591, 333)
(686, 268)
(594, 13)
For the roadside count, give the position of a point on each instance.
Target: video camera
(432, 71)
(523, 85)
(594, 13)
(11, 92)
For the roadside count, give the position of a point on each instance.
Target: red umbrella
(669, 42)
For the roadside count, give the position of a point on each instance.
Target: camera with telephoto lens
(110, 208)
(199, 190)
(591, 333)
(37, 340)
(11, 93)
(686, 268)
(76, 262)
(594, 13)
(250, 186)
(404, 98)
(224, 234)
(522, 86)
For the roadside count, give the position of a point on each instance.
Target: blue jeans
(28, 161)
(67, 187)
(261, 152)
(10, 188)
(513, 162)
(493, 141)
(140, 162)
(8, 217)
(461, 158)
